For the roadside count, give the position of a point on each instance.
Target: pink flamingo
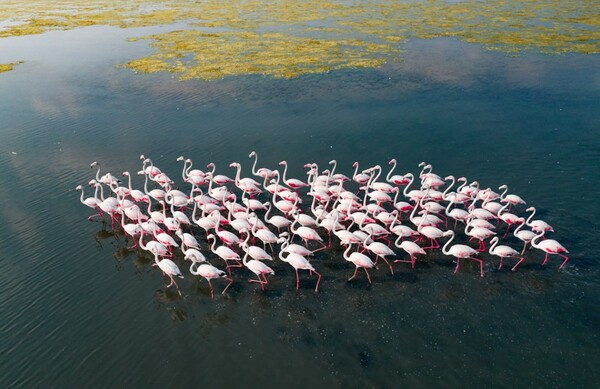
(380, 250)
(209, 272)
(262, 172)
(225, 253)
(411, 248)
(550, 246)
(359, 178)
(299, 262)
(219, 179)
(478, 233)
(537, 225)
(360, 261)
(258, 268)
(460, 251)
(307, 233)
(508, 218)
(395, 179)
(525, 235)
(170, 269)
(292, 182)
(503, 252)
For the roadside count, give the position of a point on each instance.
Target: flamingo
(550, 246)
(525, 235)
(276, 220)
(209, 272)
(284, 240)
(478, 233)
(262, 172)
(170, 269)
(360, 261)
(460, 251)
(512, 199)
(91, 202)
(255, 252)
(292, 182)
(307, 233)
(299, 262)
(246, 184)
(154, 247)
(503, 251)
(380, 250)
(265, 235)
(225, 253)
(136, 194)
(411, 248)
(219, 179)
(258, 268)
(395, 179)
(508, 218)
(359, 178)
(537, 225)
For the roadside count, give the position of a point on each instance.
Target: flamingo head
(393, 160)
(448, 233)
(282, 163)
(307, 165)
(142, 157)
(78, 187)
(180, 158)
(503, 186)
(462, 179)
(93, 164)
(92, 182)
(530, 209)
(448, 178)
(125, 174)
(252, 154)
(234, 164)
(210, 165)
(332, 161)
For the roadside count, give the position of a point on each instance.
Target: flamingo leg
(565, 261)
(389, 265)
(297, 279)
(353, 275)
(514, 267)
(457, 265)
(212, 294)
(524, 247)
(480, 265)
(545, 260)
(507, 229)
(500, 267)
(318, 281)
(228, 285)
(368, 276)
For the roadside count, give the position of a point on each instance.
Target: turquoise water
(80, 310)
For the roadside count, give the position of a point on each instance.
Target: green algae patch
(288, 38)
(6, 67)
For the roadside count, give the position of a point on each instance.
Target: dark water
(78, 309)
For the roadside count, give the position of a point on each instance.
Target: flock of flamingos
(247, 221)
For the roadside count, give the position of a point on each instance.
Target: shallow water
(78, 309)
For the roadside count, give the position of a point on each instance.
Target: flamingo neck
(534, 242)
(445, 249)
(388, 177)
(528, 221)
(254, 171)
(412, 178)
(448, 188)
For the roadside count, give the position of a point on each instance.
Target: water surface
(79, 310)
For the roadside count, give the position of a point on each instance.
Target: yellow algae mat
(288, 38)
